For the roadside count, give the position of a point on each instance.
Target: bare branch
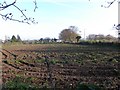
(20, 11)
(2, 7)
(35, 5)
(9, 16)
(110, 3)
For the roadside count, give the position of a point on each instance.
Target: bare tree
(10, 16)
(69, 35)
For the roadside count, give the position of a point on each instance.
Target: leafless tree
(69, 35)
(10, 16)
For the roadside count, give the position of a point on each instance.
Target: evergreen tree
(18, 38)
(13, 39)
(78, 38)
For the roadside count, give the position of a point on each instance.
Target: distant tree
(18, 38)
(41, 40)
(7, 39)
(78, 38)
(118, 28)
(91, 37)
(110, 38)
(73, 28)
(13, 39)
(53, 40)
(47, 40)
(69, 35)
(101, 37)
(96, 37)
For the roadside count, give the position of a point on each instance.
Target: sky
(55, 15)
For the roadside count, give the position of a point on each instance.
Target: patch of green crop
(17, 83)
(40, 61)
(88, 87)
(53, 61)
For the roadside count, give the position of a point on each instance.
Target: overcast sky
(55, 15)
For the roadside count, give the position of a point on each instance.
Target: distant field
(61, 65)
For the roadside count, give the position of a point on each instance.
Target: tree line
(102, 38)
(68, 35)
(18, 39)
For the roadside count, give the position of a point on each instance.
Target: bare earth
(62, 65)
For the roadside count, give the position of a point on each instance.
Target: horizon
(82, 38)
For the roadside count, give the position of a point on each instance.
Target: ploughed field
(61, 65)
